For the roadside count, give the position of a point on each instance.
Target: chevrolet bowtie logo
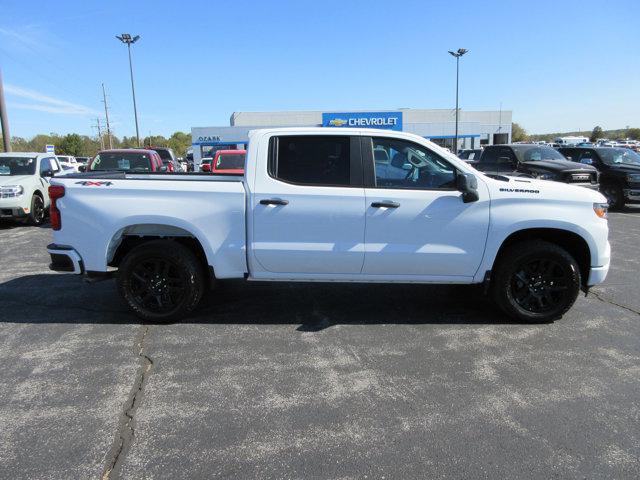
(337, 122)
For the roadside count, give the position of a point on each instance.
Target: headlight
(9, 191)
(546, 176)
(633, 177)
(601, 209)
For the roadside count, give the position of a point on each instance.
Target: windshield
(536, 153)
(123, 161)
(230, 161)
(616, 156)
(17, 166)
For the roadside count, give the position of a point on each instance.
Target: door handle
(274, 201)
(385, 204)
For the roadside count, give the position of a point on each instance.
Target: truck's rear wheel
(161, 280)
(535, 281)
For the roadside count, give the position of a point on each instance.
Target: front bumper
(590, 186)
(64, 259)
(13, 212)
(632, 194)
(598, 274)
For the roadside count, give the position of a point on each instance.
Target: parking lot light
(460, 52)
(128, 40)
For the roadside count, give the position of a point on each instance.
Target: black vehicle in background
(619, 171)
(470, 155)
(535, 161)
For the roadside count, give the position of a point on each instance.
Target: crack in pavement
(126, 428)
(611, 302)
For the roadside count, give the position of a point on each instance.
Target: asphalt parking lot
(315, 381)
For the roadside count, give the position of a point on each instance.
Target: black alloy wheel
(535, 281)
(158, 284)
(161, 280)
(539, 285)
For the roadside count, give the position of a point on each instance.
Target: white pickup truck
(333, 204)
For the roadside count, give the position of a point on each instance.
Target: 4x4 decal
(90, 183)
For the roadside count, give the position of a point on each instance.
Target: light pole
(126, 38)
(458, 54)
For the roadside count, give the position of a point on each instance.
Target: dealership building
(475, 129)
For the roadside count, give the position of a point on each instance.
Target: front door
(416, 222)
(309, 213)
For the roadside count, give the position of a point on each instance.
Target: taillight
(55, 192)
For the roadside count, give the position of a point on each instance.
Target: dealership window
(403, 164)
(317, 160)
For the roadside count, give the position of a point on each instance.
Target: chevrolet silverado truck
(324, 204)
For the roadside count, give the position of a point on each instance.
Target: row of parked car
(25, 177)
(614, 171)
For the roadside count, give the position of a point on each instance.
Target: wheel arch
(572, 242)
(131, 236)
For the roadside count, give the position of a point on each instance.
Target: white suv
(68, 163)
(24, 185)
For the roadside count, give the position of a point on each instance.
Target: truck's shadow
(52, 298)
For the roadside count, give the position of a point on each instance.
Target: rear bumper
(64, 259)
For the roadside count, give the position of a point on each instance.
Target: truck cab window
(317, 160)
(403, 164)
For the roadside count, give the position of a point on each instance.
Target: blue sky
(559, 65)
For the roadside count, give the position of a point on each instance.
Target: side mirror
(82, 168)
(206, 167)
(467, 183)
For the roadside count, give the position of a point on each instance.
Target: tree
(179, 142)
(71, 144)
(518, 134)
(596, 134)
(633, 133)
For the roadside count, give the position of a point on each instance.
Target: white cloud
(47, 103)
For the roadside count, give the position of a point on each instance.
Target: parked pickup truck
(535, 161)
(316, 204)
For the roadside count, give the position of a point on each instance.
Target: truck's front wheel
(161, 280)
(535, 281)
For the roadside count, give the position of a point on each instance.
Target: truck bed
(100, 209)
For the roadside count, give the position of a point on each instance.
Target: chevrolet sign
(385, 120)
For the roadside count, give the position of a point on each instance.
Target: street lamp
(126, 38)
(458, 54)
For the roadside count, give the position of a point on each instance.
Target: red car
(127, 160)
(228, 161)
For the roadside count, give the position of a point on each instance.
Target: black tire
(535, 281)
(161, 281)
(38, 212)
(614, 195)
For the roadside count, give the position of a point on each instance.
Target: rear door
(309, 211)
(417, 226)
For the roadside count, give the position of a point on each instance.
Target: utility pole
(106, 114)
(6, 136)
(97, 125)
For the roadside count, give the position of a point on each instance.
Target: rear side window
(227, 161)
(311, 160)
